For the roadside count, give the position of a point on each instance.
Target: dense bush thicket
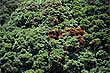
(25, 45)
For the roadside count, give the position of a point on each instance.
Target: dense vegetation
(54, 36)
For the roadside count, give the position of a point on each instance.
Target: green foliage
(72, 44)
(88, 59)
(9, 62)
(7, 7)
(26, 18)
(34, 71)
(73, 66)
(41, 60)
(25, 45)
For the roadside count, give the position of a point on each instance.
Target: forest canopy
(54, 36)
